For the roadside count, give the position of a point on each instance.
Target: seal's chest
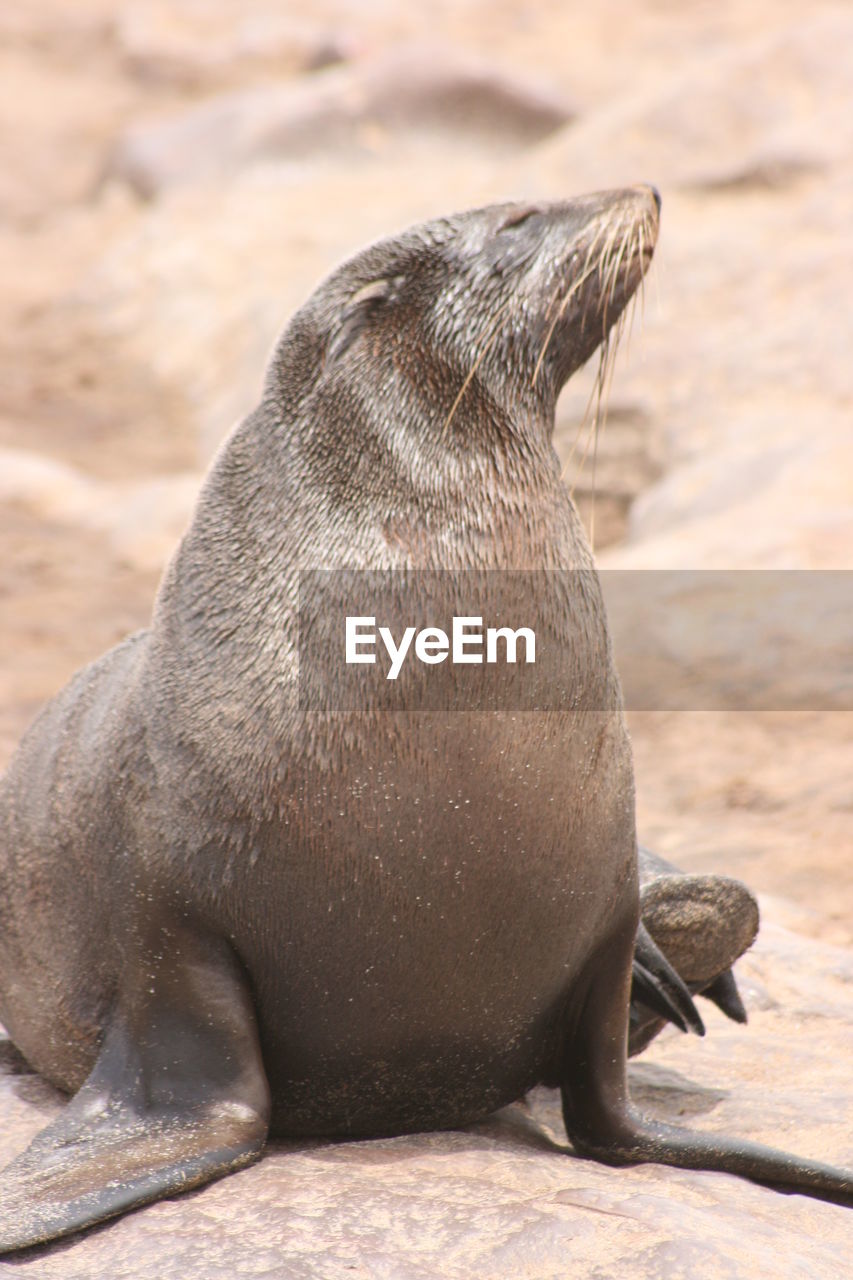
(453, 904)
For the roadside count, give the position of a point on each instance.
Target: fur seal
(227, 908)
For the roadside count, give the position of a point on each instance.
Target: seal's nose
(656, 195)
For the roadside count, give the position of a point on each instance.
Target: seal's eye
(519, 216)
(358, 309)
(508, 252)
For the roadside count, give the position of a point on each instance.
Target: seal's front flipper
(177, 1096)
(603, 1124)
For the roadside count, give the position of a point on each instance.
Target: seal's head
(479, 316)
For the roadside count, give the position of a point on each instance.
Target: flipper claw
(657, 985)
(724, 994)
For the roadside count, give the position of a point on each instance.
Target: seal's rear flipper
(602, 1123)
(178, 1096)
(701, 924)
(656, 984)
(724, 994)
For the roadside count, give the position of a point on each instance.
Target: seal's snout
(655, 196)
(598, 251)
(646, 189)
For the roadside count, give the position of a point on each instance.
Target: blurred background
(176, 176)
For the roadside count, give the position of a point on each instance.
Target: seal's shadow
(668, 1095)
(520, 1127)
(17, 1077)
(535, 1123)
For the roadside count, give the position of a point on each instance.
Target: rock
(141, 521)
(361, 111)
(207, 47)
(762, 115)
(713, 640)
(50, 489)
(502, 1198)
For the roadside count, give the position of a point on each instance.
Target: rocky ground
(175, 179)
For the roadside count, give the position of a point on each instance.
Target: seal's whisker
(603, 265)
(585, 419)
(475, 366)
(600, 394)
(593, 244)
(554, 298)
(614, 250)
(653, 274)
(603, 391)
(594, 395)
(607, 253)
(581, 280)
(588, 261)
(592, 497)
(627, 317)
(617, 262)
(606, 352)
(618, 257)
(617, 342)
(580, 429)
(606, 287)
(642, 289)
(629, 325)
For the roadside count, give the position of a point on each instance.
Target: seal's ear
(357, 310)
